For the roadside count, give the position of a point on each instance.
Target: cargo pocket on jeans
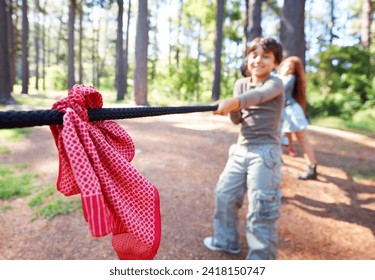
(271, 158)
(268, 205)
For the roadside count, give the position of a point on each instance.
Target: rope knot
(79, 99)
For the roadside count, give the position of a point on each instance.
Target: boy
(254, 164)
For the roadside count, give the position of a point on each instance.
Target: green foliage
(344, 82)
(46, 204)
(40, 197)
(5, 151)
(15, 134)
(35, 201)
(57, 207)
(359, 125)
(365, 120)
(56, 78)
(187, 79)
(33, 100)
(5, 207)
(226, 84)
(200, 10)
(107, 81)
(13, 183)
(233, 27)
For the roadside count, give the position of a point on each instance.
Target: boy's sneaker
(210, 244)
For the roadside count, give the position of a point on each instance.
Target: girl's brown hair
(299, 91)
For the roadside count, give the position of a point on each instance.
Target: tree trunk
(366, 23)
(126, 63)
(12, 44)
(93, 56)
(198, 59)
(154, 43)
(170, 29)
(59, 38)
(178, 45)
(72, 10)
(246, 27)
(5, 87)
(218, 48)
(332, 21)
(97, 61)
(44, 43)
(25, 48)
(141, 44)
(80, 66)
(37, 42)
(120, 81)
(93, 52)
(255, 18)
(292, 32)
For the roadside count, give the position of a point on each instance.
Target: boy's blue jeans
(255, 169)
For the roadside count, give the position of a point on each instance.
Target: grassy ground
(17, 181)
(364, 126)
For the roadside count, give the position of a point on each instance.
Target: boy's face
(261, 63)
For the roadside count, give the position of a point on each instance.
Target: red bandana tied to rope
(94, 160)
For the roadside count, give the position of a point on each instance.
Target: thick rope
(19, 119)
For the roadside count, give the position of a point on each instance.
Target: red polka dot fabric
(94, 161)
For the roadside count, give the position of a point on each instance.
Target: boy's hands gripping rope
(226, 106)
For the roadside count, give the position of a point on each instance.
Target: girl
(292, 73)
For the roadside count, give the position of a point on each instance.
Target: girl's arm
(288, 82)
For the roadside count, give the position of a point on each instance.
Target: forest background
(187, 51)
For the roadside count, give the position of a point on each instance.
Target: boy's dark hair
(268, 45)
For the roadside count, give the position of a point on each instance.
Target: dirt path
(332, 218)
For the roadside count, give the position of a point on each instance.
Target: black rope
(19, 119)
